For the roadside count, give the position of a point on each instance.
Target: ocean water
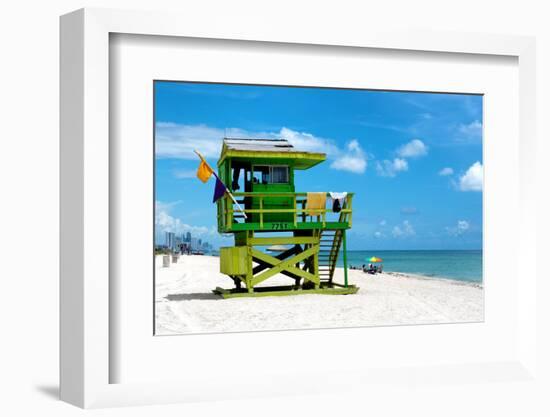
(461, 265)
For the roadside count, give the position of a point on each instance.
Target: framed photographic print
(403, 238)
(247, 205)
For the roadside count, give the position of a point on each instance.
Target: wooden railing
(229, 214)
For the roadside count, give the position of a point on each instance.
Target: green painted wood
(335, 251)
(282, 266)
(233, 260)
(274, 210)
(298, 160)
(268, 207)
(303, 195)
(287, 265)
(241, 238)
(249, 272)
(283, 227)
(261, 265)
(276, 207)
(345, 259)
(285, 291)
(280, 240)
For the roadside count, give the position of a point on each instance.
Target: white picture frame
(85, 215)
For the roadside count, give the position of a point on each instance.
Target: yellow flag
(204, 172)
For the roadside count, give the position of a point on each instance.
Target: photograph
(293, 207)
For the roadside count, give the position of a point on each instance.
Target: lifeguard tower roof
(274, 150)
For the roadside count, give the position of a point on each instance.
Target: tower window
(266, 174)
(279, 175)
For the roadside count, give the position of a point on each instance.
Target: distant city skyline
(172, 241)
(413, 160)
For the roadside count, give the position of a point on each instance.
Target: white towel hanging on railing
(337, 200)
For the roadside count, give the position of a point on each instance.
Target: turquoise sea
(462, 265)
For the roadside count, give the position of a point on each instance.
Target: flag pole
(226, 189)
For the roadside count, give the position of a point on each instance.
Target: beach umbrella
(374, 259)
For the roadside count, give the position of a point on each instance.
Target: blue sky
(413, 160)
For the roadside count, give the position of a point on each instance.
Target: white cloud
(352, 160)
(179, 141)
(161, 206)
(446, 172)
(379, 234)
(184, 173)
(303, 141)
(164, 222)
(413, 149)
(388, 168)
(462, 226)
(472, 180)
(471, 130)
(174, 140)
(404, 230)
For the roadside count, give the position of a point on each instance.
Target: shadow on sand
(193, 296)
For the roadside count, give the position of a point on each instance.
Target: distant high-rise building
(170, 240)
(200, 242)
(188, 237)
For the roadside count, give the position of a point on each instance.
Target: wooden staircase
(330, 244)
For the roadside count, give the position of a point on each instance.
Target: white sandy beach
(185, 302)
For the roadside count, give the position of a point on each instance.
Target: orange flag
(204, 172)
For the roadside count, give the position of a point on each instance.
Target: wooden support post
(316, 267)
(261, 212)
(350, 214)
(249, 273)
(295, 212)
(228, 212)
(298, 249)
(345, 259)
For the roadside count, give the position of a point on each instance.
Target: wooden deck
(259, 218)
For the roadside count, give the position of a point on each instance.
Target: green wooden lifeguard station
(266, 210)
